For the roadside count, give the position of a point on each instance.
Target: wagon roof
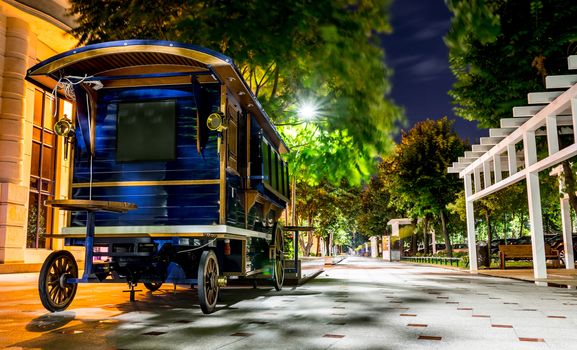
(154, 59)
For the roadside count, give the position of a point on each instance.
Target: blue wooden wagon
(178, 173)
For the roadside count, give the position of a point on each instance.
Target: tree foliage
(422, 159)
(379, 201)
(499, 50)
(289, 51)
(331, 209)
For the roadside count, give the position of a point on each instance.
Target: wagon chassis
(58, 279)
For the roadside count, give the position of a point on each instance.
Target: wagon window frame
(140, 156)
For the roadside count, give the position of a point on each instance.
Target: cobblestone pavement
(360, 303)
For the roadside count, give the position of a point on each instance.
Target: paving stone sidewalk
(360, 303)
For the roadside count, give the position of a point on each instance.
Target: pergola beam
(526, 111)
(542, 97)
(541, 165)
(531, 124)
(500, 132)
(572, 62)
(560, 81)
(491, 140)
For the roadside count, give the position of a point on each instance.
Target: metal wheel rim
(210, 284)
(279, 257)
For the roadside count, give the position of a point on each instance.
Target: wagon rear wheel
(278, 258)
(208, 282)
(55, 292)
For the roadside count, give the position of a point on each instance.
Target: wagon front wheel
(207, 284)
(56, 293)
(278, 258)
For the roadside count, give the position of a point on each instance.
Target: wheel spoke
(58, 266)
(52, 292)
(56, 297)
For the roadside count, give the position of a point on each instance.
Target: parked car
(523, 240)
(460, 248)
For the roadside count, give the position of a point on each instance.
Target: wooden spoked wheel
(55, 292)
(152, 286)
(278, 258)
(208, 282)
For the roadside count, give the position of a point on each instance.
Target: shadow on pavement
(50, 321)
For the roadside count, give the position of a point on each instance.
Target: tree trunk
(293, 202)
(570, 185)
(413, 243)
(446, 235)
(521, 220)
(331, 243)
(425, 236)
(307, 244)
(489, 237)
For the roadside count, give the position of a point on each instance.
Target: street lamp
(307, 110)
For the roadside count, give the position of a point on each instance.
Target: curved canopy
(153, 62)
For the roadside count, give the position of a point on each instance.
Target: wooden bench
(524, 251)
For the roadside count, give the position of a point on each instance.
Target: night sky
(419, 58)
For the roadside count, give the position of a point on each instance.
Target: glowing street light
(308, 111)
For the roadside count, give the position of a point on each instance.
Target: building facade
(32, 165)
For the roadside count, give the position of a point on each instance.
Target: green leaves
(331, 208)
(327, 50)
(422, 158)
(500, 50)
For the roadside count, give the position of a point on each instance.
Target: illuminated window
(42, 170)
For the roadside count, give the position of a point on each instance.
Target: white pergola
(509, 155)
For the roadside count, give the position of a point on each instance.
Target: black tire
(207, 281)
(278, 258)
(153, 286)
(55, 293)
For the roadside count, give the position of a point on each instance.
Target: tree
(499, 50)
(288, 51)
(332, 210)
(379, 201)
(422, 157)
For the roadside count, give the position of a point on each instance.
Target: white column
(552, 138)
(471, 236)
(497, 167)
(394, 244)
(535, 215)
(512, 158)
(387, 248)
(374, 246)
(567, 236)
(529, 148)
(574, 116)
(487, 174)
(477, 179)
(536, 224)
